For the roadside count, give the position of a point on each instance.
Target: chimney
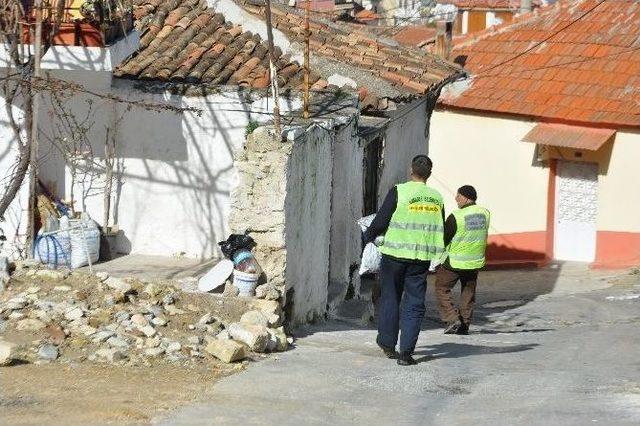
(444, 34)
(525, 6)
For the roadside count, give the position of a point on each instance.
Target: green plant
(251, 126)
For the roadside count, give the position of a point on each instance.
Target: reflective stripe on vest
(417, 227)
(468, 246)
(416, 231)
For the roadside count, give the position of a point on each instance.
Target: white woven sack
(85, 240)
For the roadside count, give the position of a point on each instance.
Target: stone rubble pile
(45, 316)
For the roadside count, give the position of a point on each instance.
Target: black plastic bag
(234, 243)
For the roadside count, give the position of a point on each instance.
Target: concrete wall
(176, 171)
(405, 137)
(346, 208)
(618, 201)
(308, 223)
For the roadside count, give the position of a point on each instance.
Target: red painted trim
(551, 209)
(617, 250)
(517, 250)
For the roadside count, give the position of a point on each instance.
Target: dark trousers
(398, 279)
(445, 281)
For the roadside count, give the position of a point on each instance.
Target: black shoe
(452, 327)
(463, 329)
(405, 359)
(388, 352)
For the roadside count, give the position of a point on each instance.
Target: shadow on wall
(173, 171)
(499, 253)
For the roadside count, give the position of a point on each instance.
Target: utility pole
(307, 35)
(35, 105)
(273, 72)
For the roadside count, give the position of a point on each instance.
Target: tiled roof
(410, 70)
(576, 137)
(575, 62)
(487, 4)
(415, 35)
(186, 41)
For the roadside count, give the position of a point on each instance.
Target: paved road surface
(557, 346)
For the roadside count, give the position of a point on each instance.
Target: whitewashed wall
(405, 137)
(346, 208)
(15, 219)
(176, 171)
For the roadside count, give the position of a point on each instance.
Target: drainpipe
(525, 6)
(444, 35)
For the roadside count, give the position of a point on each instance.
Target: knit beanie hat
(468, 191)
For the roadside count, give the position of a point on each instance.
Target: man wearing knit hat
(465, 235)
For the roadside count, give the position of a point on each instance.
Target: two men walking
(412, 221)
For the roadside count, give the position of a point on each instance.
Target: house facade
(477, 15)
(548, 128)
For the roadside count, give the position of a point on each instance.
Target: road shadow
(462, 350)
(499, 295)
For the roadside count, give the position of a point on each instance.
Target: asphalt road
(559, 346)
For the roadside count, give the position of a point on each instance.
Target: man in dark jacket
(411, 219)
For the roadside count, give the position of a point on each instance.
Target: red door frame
(551, 209)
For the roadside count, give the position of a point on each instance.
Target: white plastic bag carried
(371, 257)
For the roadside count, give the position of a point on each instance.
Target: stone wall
(283, 200)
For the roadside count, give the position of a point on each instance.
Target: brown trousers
(445, 281)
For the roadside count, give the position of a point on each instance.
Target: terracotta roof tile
(585, 72)
(186, 41)
(487, 4)
(409, 69)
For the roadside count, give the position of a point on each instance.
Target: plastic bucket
(245, 282)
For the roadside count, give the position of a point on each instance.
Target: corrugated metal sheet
(575, 137)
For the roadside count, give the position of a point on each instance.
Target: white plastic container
(245, 282)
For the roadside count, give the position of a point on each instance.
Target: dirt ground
(76, 390)
(101, 394)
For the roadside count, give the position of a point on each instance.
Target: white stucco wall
(308, 223)
(404, 138)
(79, 58)
(346, 208)
(488, 153)
(618, 197)
(177, 171)
(15, 219)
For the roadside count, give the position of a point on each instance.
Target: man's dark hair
(421, 166)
